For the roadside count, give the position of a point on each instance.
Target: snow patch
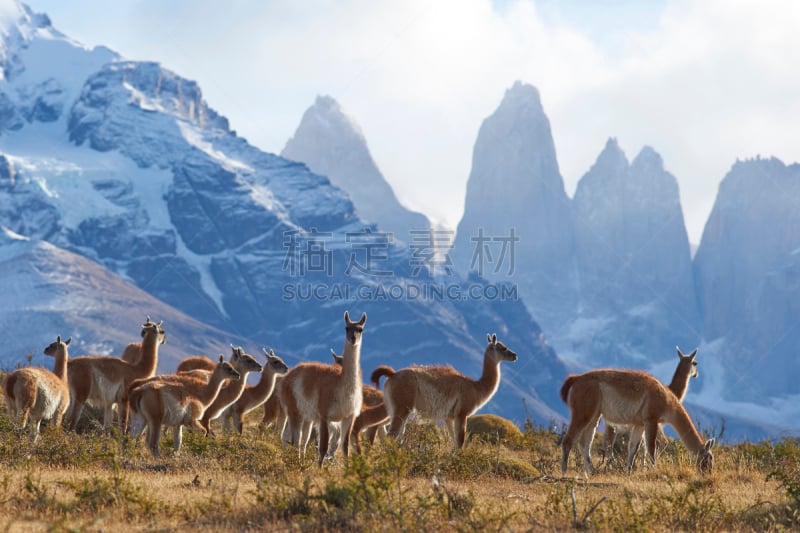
(780, 411)
(13, 236)
(195, 137)
(202, 263)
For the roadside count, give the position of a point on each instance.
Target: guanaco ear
(333, 353)
(58, 339)
(489, 338)
(680, 353)
(709, 444)
(267, 353)
(69, 340)
(221, 358)
(347, 318)
(693, 354)
(363, 319)
(494, 338)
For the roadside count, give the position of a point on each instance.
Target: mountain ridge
(139, 174)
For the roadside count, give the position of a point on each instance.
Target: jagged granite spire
(332, 144)
(747, 270)
(634, 263)
(515, 188)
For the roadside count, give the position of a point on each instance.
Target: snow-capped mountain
(633, 261)
(124, 163)
(517, 223)
(332, 144)
(49, 291)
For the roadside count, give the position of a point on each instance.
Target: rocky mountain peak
(332, 144)
(522, 96)
(648, 161)
(515, 191)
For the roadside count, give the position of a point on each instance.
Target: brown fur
(177, 403)
(254, 396)
(231, 391)
(686, 369)
(104, 381)
(626, 397)
(372, 418)
(36, 394)
(314, 393)
(138, 424)
(441, 392)
(273, 412)
(371, 397)
(196, 362)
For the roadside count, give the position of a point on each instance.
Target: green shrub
(493, 429)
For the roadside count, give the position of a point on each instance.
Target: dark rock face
(515, 191)
(633, 259)
(331, 144)
(747, 270)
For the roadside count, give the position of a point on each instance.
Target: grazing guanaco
(686, 369)
(632, 398)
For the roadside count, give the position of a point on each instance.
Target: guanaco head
(227, 370)
(705, 460)
(353, 330)
(688, 362)
(274, 363)
(53, 347)
(150, 326)
(499, 351)
(337, 359)
(244, 362)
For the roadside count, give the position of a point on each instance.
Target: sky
(702, 82)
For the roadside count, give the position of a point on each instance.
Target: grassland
(102, 481)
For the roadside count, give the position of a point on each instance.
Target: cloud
(703, 83)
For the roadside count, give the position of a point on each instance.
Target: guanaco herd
(331, 397)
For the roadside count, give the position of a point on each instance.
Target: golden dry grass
(93, 481)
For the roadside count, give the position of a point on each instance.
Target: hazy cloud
(703, 83)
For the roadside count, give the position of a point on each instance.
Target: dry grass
(93, 481)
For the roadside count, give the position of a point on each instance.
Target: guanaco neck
(680, 380)
(487, 385)
(60, 368)
(235, 388)
(208, 393)
(351, 364)
(680, 420)
(265, 385)
(148, 362)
